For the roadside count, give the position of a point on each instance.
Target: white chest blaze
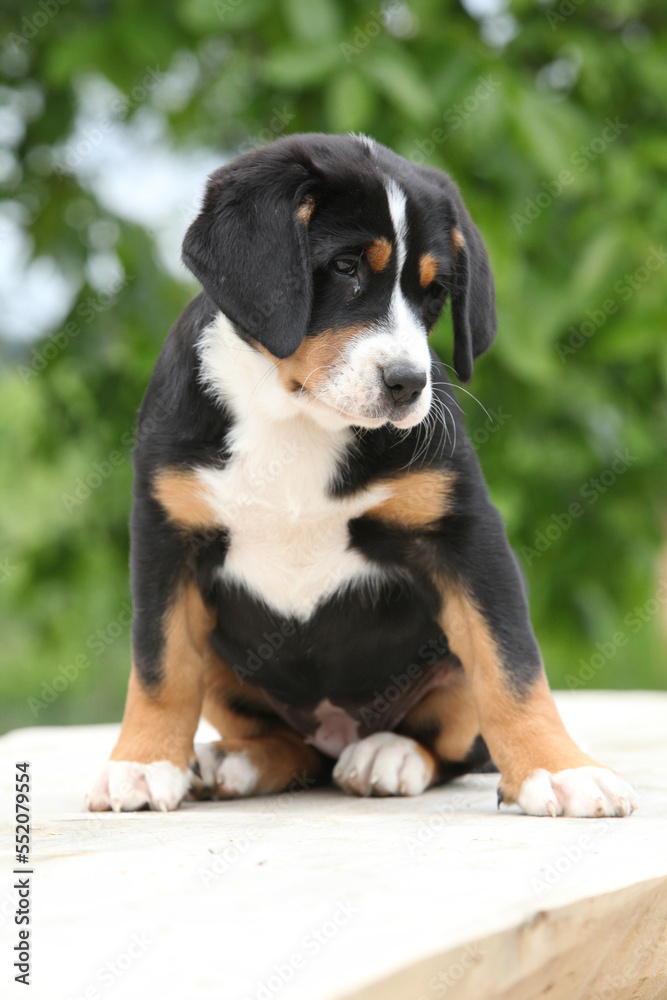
(289, 540)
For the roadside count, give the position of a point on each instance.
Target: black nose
(403, 383)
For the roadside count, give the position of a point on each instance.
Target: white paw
(580, 791)
(382, 764)
(226, 775)
(125, 785)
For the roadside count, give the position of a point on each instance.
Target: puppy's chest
(289, 541)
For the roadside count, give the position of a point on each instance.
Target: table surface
(319, 896)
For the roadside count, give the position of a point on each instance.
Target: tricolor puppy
(316, 565)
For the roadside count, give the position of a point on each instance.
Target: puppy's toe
(225, 775)
(383, 764)
(579, 791)
(124, 786)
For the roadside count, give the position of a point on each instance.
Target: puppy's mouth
(411, 419)
(377, 414)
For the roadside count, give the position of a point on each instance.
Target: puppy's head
(334, 257)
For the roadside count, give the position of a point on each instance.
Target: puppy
(316, 565)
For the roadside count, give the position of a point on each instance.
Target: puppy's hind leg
(258, 754)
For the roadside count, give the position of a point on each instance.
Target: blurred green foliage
(506, 103)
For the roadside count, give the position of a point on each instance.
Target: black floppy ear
(249, 247)
(473, 296)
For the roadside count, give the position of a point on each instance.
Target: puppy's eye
(345, 265)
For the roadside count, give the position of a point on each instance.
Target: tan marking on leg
(184, 498)
(417, 498)
(522, 733)
(458, 242)
(280, 759)
(451, 709)
(160, 724)
(221, 687)
(306, 209)
(428, 268)
(378, 254)
(279, 754)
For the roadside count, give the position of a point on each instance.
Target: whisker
(467, 392)
(265, 376)
(309, 375)
(452, 398)
(444, 433)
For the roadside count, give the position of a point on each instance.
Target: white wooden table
(317, 896)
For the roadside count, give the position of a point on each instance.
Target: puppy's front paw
(383, 764)
(223, 774)
(124, 786)
(579, 791)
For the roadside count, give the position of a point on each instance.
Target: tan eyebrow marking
(428, 268)
(305, 209)
(378, 254)
(458, 243)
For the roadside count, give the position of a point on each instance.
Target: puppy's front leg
(149, 765)
(485, 618)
